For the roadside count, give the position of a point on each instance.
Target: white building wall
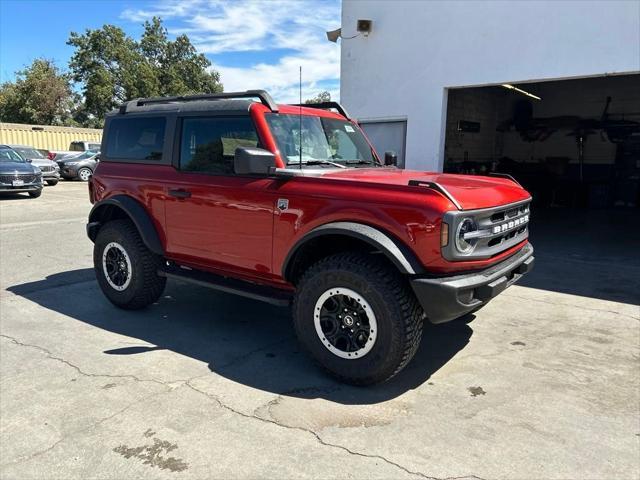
(418, 48)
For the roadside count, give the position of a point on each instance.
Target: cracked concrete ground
(544, 382)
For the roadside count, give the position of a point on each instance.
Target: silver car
(50, 169)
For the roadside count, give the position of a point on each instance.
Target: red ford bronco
(291, 205)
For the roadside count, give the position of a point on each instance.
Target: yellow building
(46, 136)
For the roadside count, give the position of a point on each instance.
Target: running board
(229, 285)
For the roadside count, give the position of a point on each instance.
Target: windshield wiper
(360, 162)
(322, 162)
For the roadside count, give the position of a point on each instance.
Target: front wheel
(126, 270)
(357, 317)
(84, 174)
(51, 183)
(35, 193)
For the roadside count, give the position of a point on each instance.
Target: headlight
(466, 246)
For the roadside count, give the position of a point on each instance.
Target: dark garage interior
(575, 145)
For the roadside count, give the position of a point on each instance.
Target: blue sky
(253, 44)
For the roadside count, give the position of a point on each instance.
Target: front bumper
(447, 298)
(51, 175)
(69, 171)
(27, 187)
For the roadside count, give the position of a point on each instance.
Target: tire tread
(383, 276)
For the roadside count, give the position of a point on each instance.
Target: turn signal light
(444, 234)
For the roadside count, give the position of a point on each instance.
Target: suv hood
(10, 168)
(470, 191)
(42, 162)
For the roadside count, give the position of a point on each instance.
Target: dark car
(81, 166)
(18, 175)
(50, 170)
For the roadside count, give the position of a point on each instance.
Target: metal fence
(46, 136)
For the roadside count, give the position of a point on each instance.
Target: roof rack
(264, 97)
(325, 106)
(437, 187)
(504, 175)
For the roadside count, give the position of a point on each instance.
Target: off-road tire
(398, 314)
(145, 286)
(51, 183)
(35, 194)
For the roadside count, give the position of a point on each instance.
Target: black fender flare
(135, 211)
(398, 253)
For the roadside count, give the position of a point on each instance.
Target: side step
(229, 285)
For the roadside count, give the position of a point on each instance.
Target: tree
(321, 97)
(41, 94)
(113, 67)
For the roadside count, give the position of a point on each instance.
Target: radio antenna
(300, 118)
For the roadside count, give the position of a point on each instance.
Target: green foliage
(41, 94)
(321, 97)
(112, 67)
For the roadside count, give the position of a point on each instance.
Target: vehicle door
(214, 217)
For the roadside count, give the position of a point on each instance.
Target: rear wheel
(126, 270)
(357, 317)
(84, 174)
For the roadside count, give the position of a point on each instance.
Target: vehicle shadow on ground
(246, 341)
(4, 197)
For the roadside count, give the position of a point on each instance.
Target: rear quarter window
(136, 139)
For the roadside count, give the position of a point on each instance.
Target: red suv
(291, 204)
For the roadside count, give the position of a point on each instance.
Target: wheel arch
(336, 237)
(124, 206)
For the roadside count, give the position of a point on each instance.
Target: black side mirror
(28, 160)
(390, 158)
(253, 161)
(97, 158)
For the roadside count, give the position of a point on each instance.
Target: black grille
(25, 177)
(47, 169)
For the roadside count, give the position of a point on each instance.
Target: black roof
(228, 106)
(231, 102)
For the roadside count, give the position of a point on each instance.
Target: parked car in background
(17, 174)
(75, 148)
(50, 170)
(80, 166)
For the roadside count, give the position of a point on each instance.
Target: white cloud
(216, 27)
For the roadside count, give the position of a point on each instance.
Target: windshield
(323, 139)
(87, 154)
(8, 155)
(28, 152)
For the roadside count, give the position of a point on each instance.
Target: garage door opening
(571, 143)
(575, 145)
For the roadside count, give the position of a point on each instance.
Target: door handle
(180, 193)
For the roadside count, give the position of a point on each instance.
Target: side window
(132, 138)
(208, 144)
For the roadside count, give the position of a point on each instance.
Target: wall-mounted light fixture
(334, 35)
(363, 27)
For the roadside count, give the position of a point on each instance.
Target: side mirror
(97, 158)
(390, 158)
(253, 161)
(28, 160)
